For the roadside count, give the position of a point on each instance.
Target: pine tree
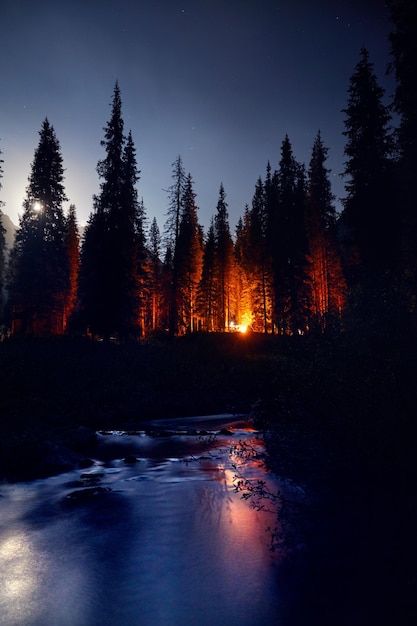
(367, 216)
(278, 236)
(242, 244)
(272, 199)
(403, 43)
(73, 252)
(251, 251)
(206, 290)
(176, 193)
(131, 231)
(224, 258)
(189, 259)
(92, 295)
(39, 271)
(287, 240)
(261, 277)
(113, 249)
(172, 231)
(155, 274)
(166, 289)
(301, 295)
(328, 285)
(246, 313)
(110, 169)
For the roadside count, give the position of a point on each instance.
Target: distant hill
(10, 229)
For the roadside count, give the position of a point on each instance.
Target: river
(153, 534)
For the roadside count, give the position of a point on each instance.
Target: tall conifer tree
(113, 243)
(73, 252)
(131, 233)
(403, 42)
(189, 259)
(246, 309)
(327, 280)
(367, 215)
(172, 231)
(155, 274)
(223, 262)
(288, 244)
(206, 288)
(39, 277)
(261, 279)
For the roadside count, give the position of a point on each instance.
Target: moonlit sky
(218, 81)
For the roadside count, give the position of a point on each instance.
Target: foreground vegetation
(351, 393)
(338, 418)
(346, 431)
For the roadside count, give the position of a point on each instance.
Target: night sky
(218, 81)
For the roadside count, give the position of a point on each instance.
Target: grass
(339, 388)
(67, 381)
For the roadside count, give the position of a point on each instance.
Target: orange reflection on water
(237, 508)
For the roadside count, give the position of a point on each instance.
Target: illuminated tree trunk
(155, 274)
(328, 284)
(73, 251)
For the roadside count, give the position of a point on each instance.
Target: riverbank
(338, 415)
(334, 402)
(53, 387)
(348, 435)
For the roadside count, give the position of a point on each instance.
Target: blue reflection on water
(169, 543)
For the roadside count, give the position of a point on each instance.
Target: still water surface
(170, 543)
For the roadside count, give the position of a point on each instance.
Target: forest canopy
(293, 265)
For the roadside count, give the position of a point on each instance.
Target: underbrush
(338, 414)
(343, 426)
(67, 381)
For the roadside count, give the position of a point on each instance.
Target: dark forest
(293, 266)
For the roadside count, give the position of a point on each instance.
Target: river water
(163, 541)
